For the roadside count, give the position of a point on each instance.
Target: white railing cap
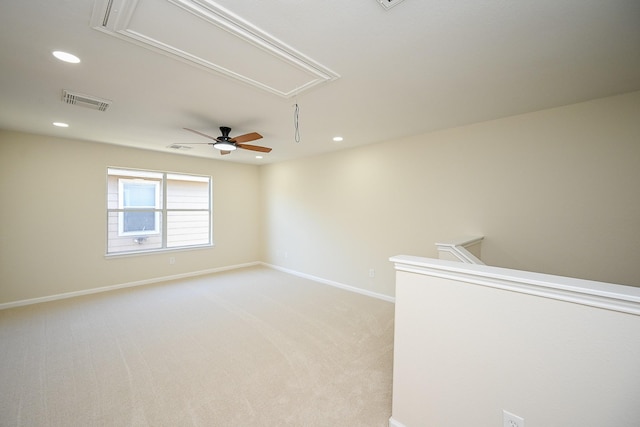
(603, 295)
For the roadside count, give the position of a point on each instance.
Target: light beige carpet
(250, 347)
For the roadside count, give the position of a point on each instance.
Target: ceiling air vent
(179, 147)
(388, 4)
(83, 100)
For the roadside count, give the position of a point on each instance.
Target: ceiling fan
(226, 144)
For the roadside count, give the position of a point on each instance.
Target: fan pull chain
(296, 123)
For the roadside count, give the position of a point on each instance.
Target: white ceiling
(373, 74)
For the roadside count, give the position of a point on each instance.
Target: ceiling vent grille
(83, 100)
(388, 4)
(179, 147)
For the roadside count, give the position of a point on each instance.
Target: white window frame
(161, 211)
(154, 209)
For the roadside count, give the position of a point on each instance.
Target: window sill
(156, 251)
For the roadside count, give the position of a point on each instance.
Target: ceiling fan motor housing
(225, 133)
(224, 143)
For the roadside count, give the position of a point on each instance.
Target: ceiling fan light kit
(225, 146)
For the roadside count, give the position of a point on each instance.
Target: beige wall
(53, 211)
(556, 191)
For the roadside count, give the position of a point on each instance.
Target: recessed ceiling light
(258, 157)
(60, 124)
(66, 57)
(337, 138)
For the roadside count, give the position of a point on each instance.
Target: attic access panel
(203, 34)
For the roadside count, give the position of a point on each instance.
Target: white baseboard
(30, 301)
(332, 283)
(123, 285)
(395, 423)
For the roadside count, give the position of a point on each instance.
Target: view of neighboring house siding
(187, 228)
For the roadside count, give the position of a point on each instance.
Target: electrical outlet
(372, 273)
(172, 260)
(511, 420)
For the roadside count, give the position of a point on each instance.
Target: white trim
(395, 423)
(123, 285)
(117, 24)
(461, 254)
(332, 283)
(608, 296)
(463, 241)
(65, 295)
(458, 248)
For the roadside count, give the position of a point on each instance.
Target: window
(151, 211)
(139, 201)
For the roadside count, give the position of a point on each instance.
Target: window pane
(113, 199)
(187, 193)
(137, 194)
(188, 228)
(138, 221)
(131, 242)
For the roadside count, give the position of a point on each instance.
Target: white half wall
(472, 341)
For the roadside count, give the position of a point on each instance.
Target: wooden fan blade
(201, 134)
(254, 148)
(246, 137)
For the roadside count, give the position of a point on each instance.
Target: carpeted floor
(250, 347)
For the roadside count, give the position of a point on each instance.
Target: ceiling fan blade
(254, 148)
(246, 137)
(201, 134)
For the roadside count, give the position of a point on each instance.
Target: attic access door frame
(217, 41)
